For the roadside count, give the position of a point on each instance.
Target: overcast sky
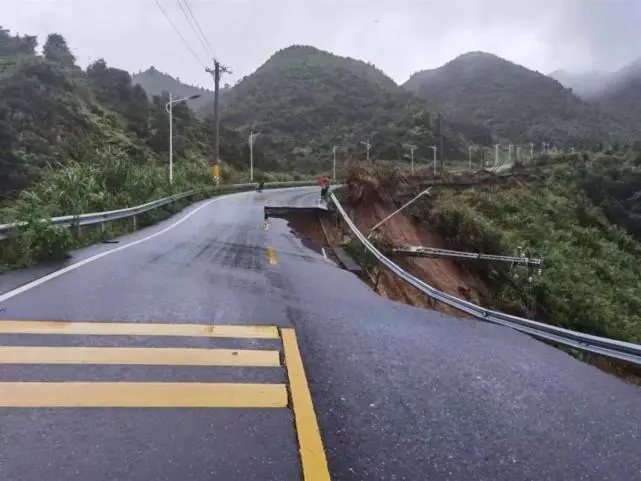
(399, 36)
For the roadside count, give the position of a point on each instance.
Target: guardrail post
(103, 227)
(135, 223)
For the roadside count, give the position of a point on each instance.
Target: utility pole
(531, 151)
(434, 148)
(469, 153)
(334, 164)
(518, 153)
(496, 154)
(218, 70)
(509, 153)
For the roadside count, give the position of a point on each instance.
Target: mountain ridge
(517, 104)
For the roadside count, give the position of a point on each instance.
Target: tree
(56, 50)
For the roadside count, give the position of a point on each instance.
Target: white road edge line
(53, 275)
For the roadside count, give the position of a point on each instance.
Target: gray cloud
(399, 36)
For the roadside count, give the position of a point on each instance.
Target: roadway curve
(401, 393)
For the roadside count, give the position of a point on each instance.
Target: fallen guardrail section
(624, 351)
(420, 251)
(80, 220)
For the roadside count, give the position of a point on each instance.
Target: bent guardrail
(612, 348)
(80, 220)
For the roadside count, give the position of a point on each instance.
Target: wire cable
(195, 29)
(179, 34)
(211, 50)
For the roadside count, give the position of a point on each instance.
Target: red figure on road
(324, 183)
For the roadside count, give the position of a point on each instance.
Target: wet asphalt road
(400, 393)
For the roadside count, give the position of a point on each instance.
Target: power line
(204, 37)
(193, 28)
(179, 34)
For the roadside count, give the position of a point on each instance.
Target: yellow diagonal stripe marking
(310, 444)
(138, 355)
(144, 394)
(136, 329)
(271, 255)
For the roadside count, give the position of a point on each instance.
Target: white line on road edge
(53, 275)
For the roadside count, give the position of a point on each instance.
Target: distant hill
(622, 96)
(515, 103)
(305, 101)
(155, 82)
(587, 85)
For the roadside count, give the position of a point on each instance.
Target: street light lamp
(170, 111)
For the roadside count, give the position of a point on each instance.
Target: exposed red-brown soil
(443, 274)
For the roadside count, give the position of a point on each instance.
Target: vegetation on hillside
(576, 220)
(155, 82)
(517, 104)
(304, 101)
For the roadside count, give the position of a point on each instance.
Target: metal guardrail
(79, 220)
(612, 348)
(420, 251)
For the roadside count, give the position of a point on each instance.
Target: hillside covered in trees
(54, 115)
(516, 104)
(155, 82)
(304, 101)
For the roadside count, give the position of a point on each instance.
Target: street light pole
(171, 141)
(334, 164)
(426, 191)
(251, 154)
(367, 146)
(170, 110)
(434, 148)
(412, 149)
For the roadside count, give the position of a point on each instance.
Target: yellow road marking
(138, 355)
(310, 444)
(271, 255)
(141, 394)
(136, 329)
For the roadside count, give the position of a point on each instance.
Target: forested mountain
(586, 85)
(515, 103)
(155, 83)
(52, 113)
(304, 101)
(623, 94)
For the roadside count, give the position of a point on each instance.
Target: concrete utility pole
(367, 146)
(509, 153)
(496, 154)
(531, 151)
(334, 164)
(216, 73)
(518, 153)
(170, 110)
(469, 154)
(412, 149)
(251, 154)
(434, 148)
